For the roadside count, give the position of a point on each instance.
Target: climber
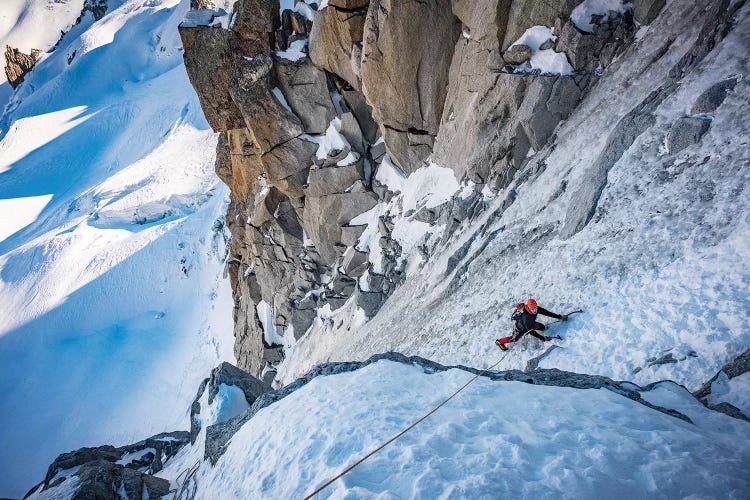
(525, 322)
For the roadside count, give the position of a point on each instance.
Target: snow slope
(33, 24)
(497, 439)
(113, 304)
(661, 270)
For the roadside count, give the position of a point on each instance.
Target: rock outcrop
(18, 64)
(226, 374)
(102, 470)
(706, 394)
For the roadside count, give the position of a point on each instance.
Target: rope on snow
(407, 429)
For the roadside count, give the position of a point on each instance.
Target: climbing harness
(410, 427)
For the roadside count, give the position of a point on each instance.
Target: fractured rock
(356, 102)
(349, 4)
(306, 91)
(713, 97)
(645, 11)
(352, 133)
(255, 21)
(287, 165)
(323, 181)
(407, 88)
(332, 40)
(324, 216)
(245, 163)
(269, 122)
(210, 57)
(408, 150)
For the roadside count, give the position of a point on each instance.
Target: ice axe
(568, 314)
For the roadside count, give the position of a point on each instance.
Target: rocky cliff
(318, 106)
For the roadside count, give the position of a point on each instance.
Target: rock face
(335, 41)
(685, 132)
(406, 87)
(18, 64)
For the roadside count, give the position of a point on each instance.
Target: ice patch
(266, 316)
(281, 98)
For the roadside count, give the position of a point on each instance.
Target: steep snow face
(113, 306)
(496, 439)
(661, 269)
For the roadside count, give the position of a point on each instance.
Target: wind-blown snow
(112, 302)
(495, 440)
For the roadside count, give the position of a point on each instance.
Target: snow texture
(427, 187)
(546, 61)
(113, 306)
(333, 140)
(296, 51)
(581, 15)
(514, 440)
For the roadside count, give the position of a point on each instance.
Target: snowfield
(496, 439)
(113, 303)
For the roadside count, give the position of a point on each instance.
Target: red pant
(518, 336)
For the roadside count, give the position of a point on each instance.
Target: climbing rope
(415, 423)
(410, 427)
(182, 487)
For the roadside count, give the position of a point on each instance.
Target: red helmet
(531, 306)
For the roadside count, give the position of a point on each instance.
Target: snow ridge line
(219, 435)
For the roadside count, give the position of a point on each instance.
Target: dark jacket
(525, 321)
